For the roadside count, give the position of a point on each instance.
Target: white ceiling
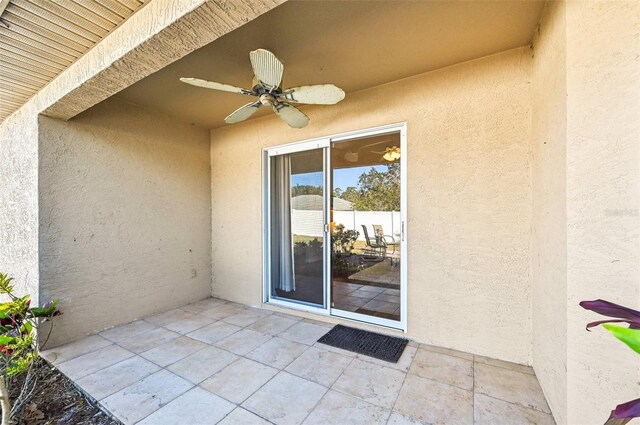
(353, 44)
(41, 38)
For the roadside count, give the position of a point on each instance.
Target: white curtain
(283, 275)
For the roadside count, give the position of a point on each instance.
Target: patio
(220, 362)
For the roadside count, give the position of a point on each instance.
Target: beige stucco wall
(549, 218)
(469, 199)
(19, 201)
(603, 199)
(124, 216)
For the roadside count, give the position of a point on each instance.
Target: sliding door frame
(325, 143)
(307, 145)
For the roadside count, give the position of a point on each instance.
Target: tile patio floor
(220, 362)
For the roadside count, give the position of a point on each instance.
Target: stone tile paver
(128, 330)
(196, 406)
(220, 312)
(75, 349)
(338, 408)
(448, 351)
(285, 400)
(277, 352)
(243, 341)
(167, 317)
(271, 363)
(116, 377)
(443, 368)
(94, 361)
(397, 418)
(239, 380)
(190, 322)
(434, 402)
(241, 416)
(373, 383)
(147, 340)
(319, 366)
(144, 397)
(214, 332)
(273, 324)
(247, 317)
(491, 411)
(202, 364)
(304, 333)
(504, 364)
(174, 350)
(510, 385)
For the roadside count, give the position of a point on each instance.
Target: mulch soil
(57, 401)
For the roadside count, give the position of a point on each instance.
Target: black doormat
(383, 347)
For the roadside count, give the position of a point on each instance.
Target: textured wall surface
(124, 216)
(603, 199)
(549, 219)
(19, 201)
(469, 199)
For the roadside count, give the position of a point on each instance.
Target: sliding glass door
(297, 225)
(335, 226)
(367, 228)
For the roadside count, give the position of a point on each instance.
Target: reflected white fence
(309, 222)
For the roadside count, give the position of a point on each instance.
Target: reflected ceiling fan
(391, 153)
(267, 70)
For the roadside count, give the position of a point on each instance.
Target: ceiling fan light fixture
(392, 154)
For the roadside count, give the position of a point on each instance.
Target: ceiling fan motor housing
(267, 99)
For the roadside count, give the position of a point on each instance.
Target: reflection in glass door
(335, 214)
(366, 226)
(297, 227)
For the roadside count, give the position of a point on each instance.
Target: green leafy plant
(19, 346)
(630, 335)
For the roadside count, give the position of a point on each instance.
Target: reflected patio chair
(381, 238)
(375, 247)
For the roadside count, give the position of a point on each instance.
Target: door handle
(402, 226)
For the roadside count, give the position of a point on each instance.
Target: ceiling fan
(391, 153)
(267, 70)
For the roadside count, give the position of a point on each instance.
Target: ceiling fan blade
(267, 68)
(242, 113)
(215, 86)
(291, 115)
(323, 94)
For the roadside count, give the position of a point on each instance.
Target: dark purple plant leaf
(606, 308)
(630, 409)
(615, 421)
(600, 322)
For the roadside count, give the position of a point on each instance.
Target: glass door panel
(366, 227)
(297, 227)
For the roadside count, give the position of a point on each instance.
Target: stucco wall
(124, 216)
(603, 199)
(549, 219)
(19, 202)
(469, 199)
